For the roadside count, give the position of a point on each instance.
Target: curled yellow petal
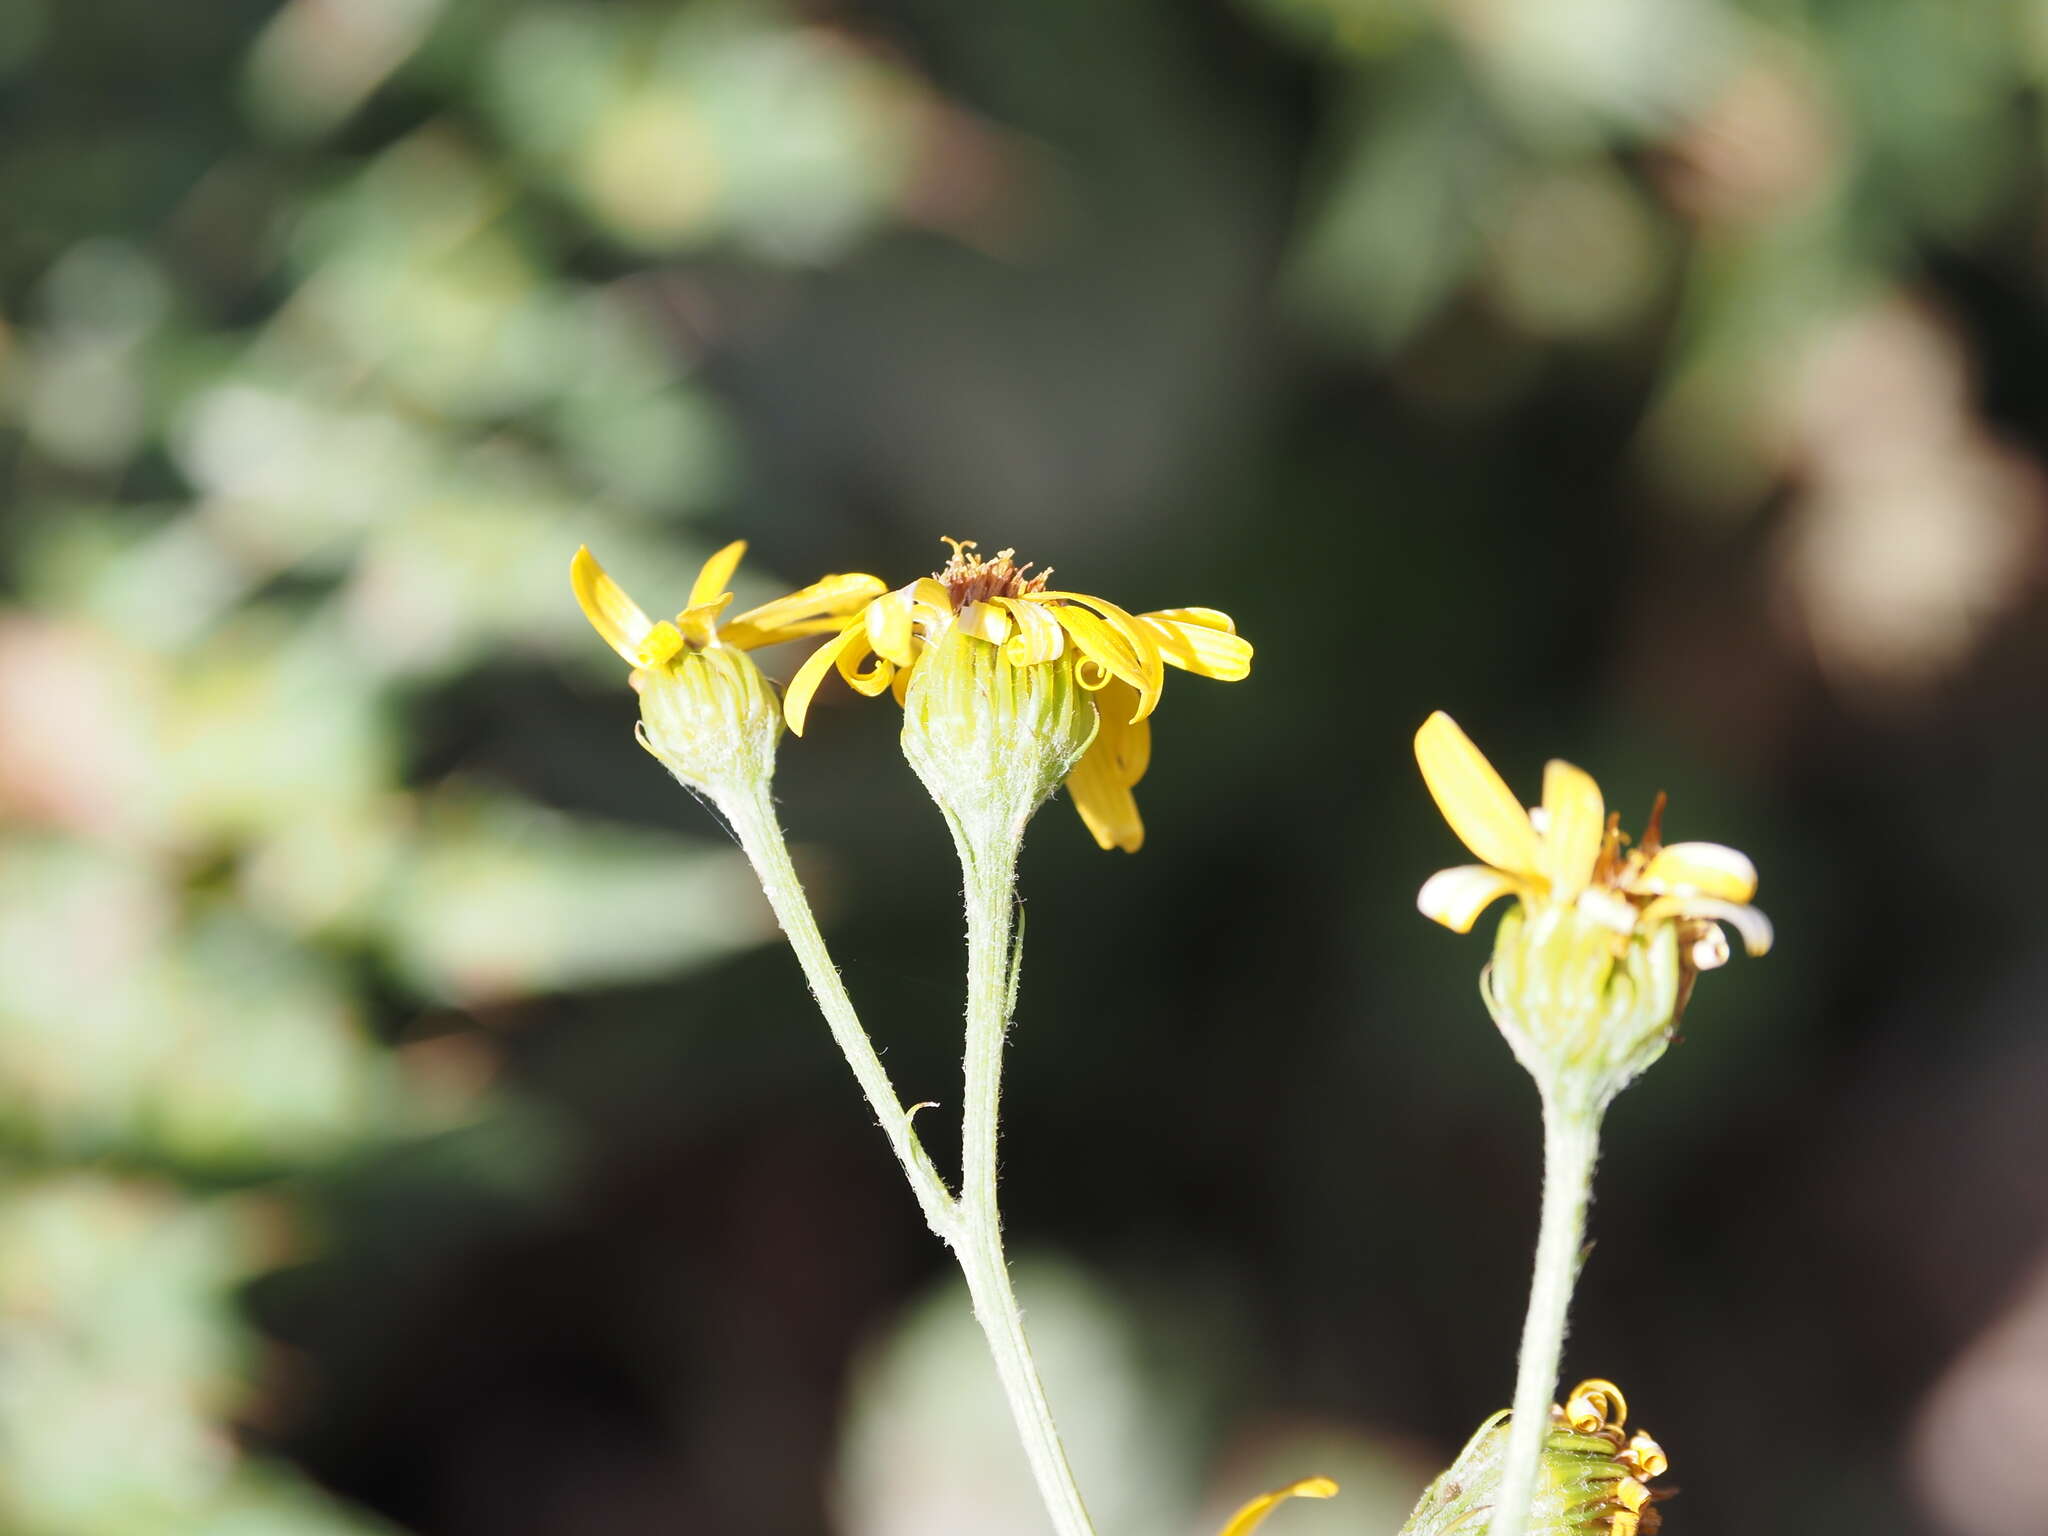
(888, 622)
(1456, 897)
(1199, 648)
(1595, 1404)
(1100, 646)
(1248, 1519)
(822, 608)
(1575, 820)
(1138, 643)
(871, 681)
(796, 701)
(716, 576)
(1707, 869)
(615, 616)
(1039, 637)
(984, 621)
(1481, 809)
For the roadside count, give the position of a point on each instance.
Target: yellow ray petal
(1143, 648)
(1207, 618)
(1039, 637)
(1480, 808)
(888, 619)
(1456, 897)
(615, 616)
(1104, 799)
(1127, 742)
(1098, 644)
(872, 681)
(1248, 1519)
(817, 609)
(984, 621)
(716, 576)
(1199, 648)
(1705, 868)
(796, 702)
(1575, 820)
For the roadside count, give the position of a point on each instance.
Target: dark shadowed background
(409, 1121)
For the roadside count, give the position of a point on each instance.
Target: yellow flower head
(1594, 1477)
(1614, 1467)
(1118, 657)
(815, 610)
(705, 710)
(1569, 852)
(1253, 1515)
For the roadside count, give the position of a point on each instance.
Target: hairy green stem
(751, 814)
(990, 875)
(972, 1224)
(1571, 1143)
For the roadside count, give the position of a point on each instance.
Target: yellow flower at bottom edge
(1253, 1515)
(1120, 658)
(814, 610)
(1594, 1477)
(1570, 852)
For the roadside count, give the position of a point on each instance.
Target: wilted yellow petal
(615, 616)
(796, 702)
(1199, 648)
(1039, 637)
(1456, 897)
(1706, 868)
(716, 576)
(1479, 806)
(1248, 1519)
(1575, 820)
(819, 609)
(1104, 798)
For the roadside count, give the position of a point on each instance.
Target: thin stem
(751, 814)
(1571, 1142)
(990, 873)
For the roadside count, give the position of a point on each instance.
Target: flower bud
(1593, 1479)
(712, 719)
(1584, 1007)
(990, 739)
